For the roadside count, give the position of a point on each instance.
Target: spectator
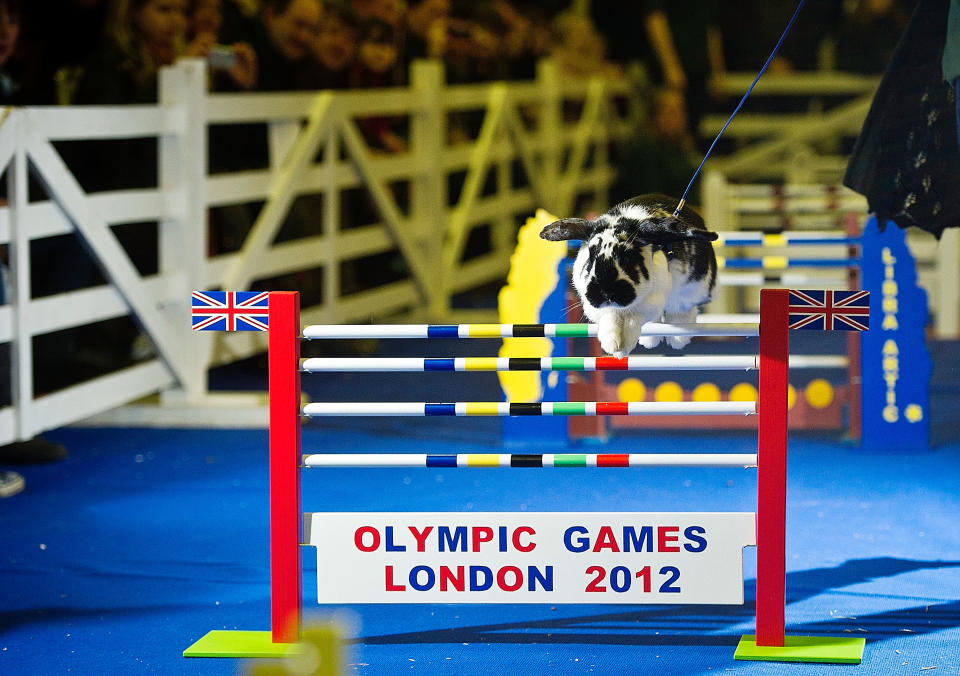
(11, 90)
(578, 47)
(906, 160)
(334, 47)
(141, 37)
(233, 66)
(284, 43)
(426, 26)
(37, 449)
(515, 38)
(388, 11)
(376, 57)
(488, 30)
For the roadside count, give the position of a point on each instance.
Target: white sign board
(530, 557)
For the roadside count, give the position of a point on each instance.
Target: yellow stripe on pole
(480, 364)
(774, 240)
(482, 408)
(721, 262)
(483, 460)
(484, 330)
(775, 262)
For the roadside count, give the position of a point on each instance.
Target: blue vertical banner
(895, 362)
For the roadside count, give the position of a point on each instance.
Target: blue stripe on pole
(743, 263)
(824, 262)
(801, 241)
(442, 331)
(758, 263)
(441, 461)
(742, 241)
(440, 409)
(441, 364)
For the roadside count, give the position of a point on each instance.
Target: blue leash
(683, 198)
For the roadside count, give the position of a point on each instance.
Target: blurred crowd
(109, 51)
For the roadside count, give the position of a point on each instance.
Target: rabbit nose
(620, 293)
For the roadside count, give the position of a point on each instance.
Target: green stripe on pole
(567, 363)
(569, 460)
(569, 408)
(569, 330)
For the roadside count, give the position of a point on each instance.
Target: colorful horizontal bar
(783, 240)
(546, 408)
(358, 331)
(639, 363)
(463, 460)
(782, 262)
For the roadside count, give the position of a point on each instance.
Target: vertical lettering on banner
(896, 365)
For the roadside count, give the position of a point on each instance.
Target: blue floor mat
(118, 558)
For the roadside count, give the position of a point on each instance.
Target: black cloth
(906, 160)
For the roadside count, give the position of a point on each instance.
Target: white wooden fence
(540, 143)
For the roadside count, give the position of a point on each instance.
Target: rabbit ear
(567, 228)
(670, 229)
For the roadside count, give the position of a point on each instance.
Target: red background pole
(772, 466)
(285, 519)
(854, 377)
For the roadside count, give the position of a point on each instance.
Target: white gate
(541, 143)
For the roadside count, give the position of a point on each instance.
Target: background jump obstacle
(876, 393)
(669, 531)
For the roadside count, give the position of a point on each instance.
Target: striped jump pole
(544, 408)
(559, 460)
(358, 331)
(783, 262)
(416, 364)
(784, 278)
(786, 239)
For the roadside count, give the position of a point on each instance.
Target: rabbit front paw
(649, 342)
(610, 335)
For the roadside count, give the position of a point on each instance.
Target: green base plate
(831, 650)
(222, 643)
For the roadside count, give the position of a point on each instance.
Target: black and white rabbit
(638, 263)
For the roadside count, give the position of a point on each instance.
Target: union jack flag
(229, 310)
(830, 310)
